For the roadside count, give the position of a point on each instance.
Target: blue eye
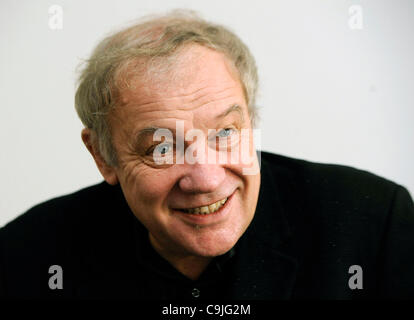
(225, 132)
(163, 149)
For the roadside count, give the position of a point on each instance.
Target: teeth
(204, 210)
(207, 209)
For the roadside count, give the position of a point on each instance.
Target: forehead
(196, 72)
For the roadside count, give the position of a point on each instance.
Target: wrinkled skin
(201, 86)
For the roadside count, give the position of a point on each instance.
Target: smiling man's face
(201, 91)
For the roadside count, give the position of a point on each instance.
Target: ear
(107, 171)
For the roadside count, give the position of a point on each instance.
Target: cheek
(245, 171)
(249, 184)
(147, 187)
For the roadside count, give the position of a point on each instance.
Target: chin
(214, 246)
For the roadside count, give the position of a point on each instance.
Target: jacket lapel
(267, 262)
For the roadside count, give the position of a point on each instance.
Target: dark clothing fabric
(312, 223)
(166, 283)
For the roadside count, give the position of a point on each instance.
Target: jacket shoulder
(54, 232)
(345, 200)
(54, 213)
(343, 216)
(329, 180)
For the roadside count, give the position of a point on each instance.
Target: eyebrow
(150, 130)
(234, 107)
(142, 134)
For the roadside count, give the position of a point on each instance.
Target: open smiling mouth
(205, 210)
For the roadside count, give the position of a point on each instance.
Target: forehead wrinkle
(189, 119)
(160, 123)
(147, 92)
(172, 104)
(216, 95)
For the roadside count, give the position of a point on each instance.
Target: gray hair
(152, 38)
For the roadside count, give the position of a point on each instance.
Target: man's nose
(202, 178)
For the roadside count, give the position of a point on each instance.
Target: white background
(328, 93)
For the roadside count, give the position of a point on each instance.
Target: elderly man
(169, 108)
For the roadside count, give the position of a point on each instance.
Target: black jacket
(312, 223)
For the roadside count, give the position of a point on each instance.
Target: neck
(190, 266)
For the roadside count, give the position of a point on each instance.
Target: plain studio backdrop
(336, 84)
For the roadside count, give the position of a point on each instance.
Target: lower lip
(210, 218)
